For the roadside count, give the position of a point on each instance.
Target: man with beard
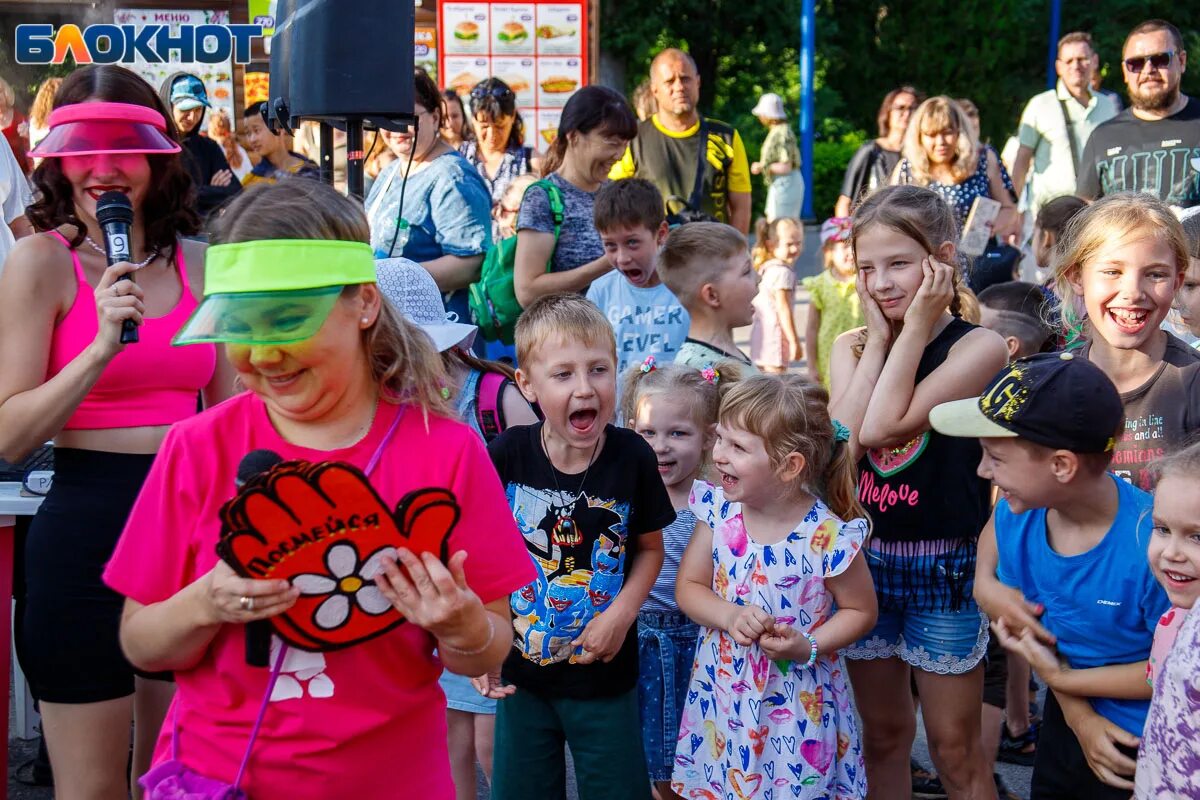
(667, 150)
(1153, 146)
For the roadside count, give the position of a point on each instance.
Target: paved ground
(1017, 778)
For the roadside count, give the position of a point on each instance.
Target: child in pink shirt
(367, 720)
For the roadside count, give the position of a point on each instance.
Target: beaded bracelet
(812, 648)
(478, 650)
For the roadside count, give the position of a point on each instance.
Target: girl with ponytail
(920, 488)
(771, 558)
(596, 126)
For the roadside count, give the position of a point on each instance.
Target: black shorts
(69, 633)
(995, 674)
(1060, 769)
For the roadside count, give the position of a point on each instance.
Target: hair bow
(710, 374)
(840, 432)
(649, 364)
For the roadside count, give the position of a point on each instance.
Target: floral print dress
(751, 728)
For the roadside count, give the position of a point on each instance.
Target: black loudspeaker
(346, 63)
(339, 59)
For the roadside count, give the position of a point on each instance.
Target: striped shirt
(675, 539)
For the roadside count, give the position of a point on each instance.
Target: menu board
(537, 48)
(218, 78)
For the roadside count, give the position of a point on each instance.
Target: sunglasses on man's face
(1136, 64)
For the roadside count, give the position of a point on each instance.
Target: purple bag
(174, 780)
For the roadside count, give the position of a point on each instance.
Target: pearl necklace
(139, 264)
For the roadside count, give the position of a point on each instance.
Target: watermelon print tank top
(926, 489)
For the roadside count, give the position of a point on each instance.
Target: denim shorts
(666, 650)
(921, 621)
(462, 696)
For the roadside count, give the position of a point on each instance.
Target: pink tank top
(148, 383)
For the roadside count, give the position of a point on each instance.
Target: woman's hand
(879, 327)
(436, 597)
(222, 178)
(746, 624)
(785, 642)
(229, 597)
(116, 301)
(756, 168)
(934, 296)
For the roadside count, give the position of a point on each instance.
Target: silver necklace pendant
(139, 264)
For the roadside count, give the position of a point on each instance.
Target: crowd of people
(706, 573)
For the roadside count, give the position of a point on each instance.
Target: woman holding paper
(942, 152)
(333, 376)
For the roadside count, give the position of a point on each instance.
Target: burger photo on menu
(466, 31)
(512, 32)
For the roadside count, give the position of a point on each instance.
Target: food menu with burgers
(519, 72)
(557, 80)
(538, 48)
(464, 29)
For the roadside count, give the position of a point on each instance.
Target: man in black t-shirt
(1153, 146)
(589, 501)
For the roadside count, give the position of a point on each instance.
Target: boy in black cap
(1071, 540)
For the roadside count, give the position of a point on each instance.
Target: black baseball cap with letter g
(1058, 400)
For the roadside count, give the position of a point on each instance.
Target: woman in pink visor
(66, 376)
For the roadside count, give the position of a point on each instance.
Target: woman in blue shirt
(440, 216)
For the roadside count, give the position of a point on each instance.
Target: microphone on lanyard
(258, 632)
(115, 215)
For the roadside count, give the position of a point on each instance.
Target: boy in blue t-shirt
(646, 317)
(1071, 540)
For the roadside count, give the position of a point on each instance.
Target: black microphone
(258, 632)
(115, 215)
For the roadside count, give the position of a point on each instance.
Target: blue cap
(188, 92)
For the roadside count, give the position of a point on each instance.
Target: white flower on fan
(349, 581)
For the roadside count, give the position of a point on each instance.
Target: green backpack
(493, 301)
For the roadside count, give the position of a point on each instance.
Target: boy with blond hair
(707, 266)
(587, 497)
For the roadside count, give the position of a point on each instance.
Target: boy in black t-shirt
(591, 506)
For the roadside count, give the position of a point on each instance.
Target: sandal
(925, 783)
(1020, 750)
(32, 773)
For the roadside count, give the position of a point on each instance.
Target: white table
(12, 505)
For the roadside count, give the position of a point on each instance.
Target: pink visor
(99, 128)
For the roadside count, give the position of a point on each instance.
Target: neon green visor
(273, 291)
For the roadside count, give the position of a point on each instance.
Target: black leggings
(69, 634)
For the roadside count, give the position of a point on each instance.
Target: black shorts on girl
(70, 648)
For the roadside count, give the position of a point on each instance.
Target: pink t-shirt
(368, 721)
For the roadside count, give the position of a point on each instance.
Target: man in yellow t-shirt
(666, 150)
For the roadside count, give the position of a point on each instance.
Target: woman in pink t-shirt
(333, 375)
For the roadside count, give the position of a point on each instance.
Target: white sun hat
(411, 290)
(770, 106)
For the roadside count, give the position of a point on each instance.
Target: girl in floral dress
(768, 710)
